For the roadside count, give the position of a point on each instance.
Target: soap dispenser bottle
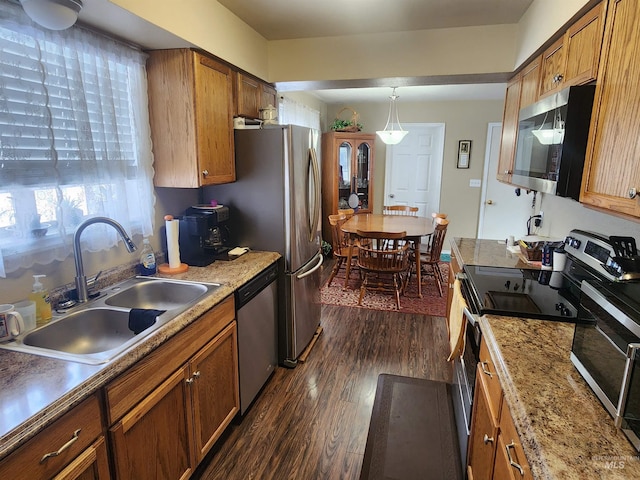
(147, 259)
(41, 298)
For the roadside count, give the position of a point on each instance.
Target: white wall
(540, 22)
(446, 51)
(562, 214)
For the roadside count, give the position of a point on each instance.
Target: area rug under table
(412, 433)
(431, 302)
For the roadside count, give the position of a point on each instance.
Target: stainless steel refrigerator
(275, 206)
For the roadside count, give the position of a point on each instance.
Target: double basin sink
(97, 331)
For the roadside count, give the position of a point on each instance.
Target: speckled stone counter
(35, 390)
(471, 251)
(565, 431)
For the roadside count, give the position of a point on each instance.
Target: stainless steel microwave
(552, 141)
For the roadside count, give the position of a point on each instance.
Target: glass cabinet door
(362, 174)
(344, 174)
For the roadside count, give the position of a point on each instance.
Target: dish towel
(142, 318)
(457, 322)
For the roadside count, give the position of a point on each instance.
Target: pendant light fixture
(393, 132)
(53, 14)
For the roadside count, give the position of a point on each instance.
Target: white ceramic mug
(11, 323)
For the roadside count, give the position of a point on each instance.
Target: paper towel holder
(165, 268)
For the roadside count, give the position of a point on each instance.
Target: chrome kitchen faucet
(81, 279)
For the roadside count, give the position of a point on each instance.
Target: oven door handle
(471, 317)
(632, 351)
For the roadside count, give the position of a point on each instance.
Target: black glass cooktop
(514, 292)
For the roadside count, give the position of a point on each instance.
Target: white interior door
(414, 168)
(500, 207)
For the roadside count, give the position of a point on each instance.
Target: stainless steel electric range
(558, 296)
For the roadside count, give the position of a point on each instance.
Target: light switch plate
(475, 182)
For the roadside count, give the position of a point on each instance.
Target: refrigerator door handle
(313, 159)
(316, 267)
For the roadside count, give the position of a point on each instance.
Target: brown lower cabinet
(165, 412)
(71, 447)
(171, 428)
(494, 451)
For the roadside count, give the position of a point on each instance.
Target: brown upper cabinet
(191, 115)
(252, 95)
(612, 175)
(573, 59)
(522, 90)
(509, 129)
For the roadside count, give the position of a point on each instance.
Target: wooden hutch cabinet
(347, 167)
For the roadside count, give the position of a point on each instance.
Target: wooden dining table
(415, 228)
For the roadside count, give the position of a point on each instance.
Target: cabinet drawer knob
(557, 78)
(205, 173)
(507, 172)
(484, 366)
(189, 381)
(633, 192)
(74, 439)
(511, 462)
(487, 439)
(196, 374)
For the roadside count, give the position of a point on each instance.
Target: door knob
(205, 173)
(489, 202)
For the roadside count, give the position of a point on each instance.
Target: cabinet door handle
(484, 365)
(557, 78)
(507, 172)
(196, 374)
(205, 173)
(633, 192)
(487, 439)
(511, 462)
(74, 439)
(189, 381)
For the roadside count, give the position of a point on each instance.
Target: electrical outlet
(538, 221)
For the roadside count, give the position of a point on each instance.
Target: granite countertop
(471, 251)
(565, 431)
(36, 390)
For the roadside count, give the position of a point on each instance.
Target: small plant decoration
(340, 125)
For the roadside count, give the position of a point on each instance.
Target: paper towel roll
(173, 246)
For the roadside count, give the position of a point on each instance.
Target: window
(74, 140)
(296, 113)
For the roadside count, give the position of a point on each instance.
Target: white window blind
(74, 140)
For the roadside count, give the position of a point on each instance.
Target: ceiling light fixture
(393, 132)
(53, 14)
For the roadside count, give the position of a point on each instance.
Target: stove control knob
(575, 243)
(559, 306)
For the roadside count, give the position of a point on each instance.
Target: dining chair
(340, 244)
(400, 210)
(430, 255)
(382, 259)
(348, 212)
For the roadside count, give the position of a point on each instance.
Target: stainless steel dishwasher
(257, 316)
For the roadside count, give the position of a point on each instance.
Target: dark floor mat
(412, 432)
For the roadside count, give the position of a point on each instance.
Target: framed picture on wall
(464, 153)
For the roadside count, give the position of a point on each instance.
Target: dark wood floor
(311, 422)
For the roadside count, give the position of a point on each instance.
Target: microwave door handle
(626, 382)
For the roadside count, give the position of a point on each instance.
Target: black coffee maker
(204, 235)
